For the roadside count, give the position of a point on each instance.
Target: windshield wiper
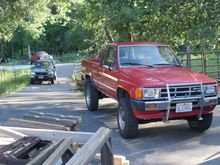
(167, 64)
(132, 63)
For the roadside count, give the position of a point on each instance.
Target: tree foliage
(70, 25)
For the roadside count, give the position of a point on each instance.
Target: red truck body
(174, 83)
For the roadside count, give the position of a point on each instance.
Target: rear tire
(91, 96)
(200, 125)
(127, 123)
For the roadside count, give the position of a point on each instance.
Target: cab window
(110, 58)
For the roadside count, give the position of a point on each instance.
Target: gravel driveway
(158, 143)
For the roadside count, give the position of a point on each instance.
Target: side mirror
(109, 67)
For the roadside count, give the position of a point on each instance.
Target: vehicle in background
(150, 84)
(43, 70)
(4, 60)
(39, 55)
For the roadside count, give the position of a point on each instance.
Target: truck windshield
(43, 65)
(147, 56)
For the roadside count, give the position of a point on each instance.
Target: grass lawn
(13, 81)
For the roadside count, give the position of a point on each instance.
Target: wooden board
(46, 134)
(59, 151)
(85, 154)
(39, 159)
(78, 119)
(5, 141)
(53, 120)
(33, 124)
(11, 133)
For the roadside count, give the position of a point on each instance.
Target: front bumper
(42, 78)
(163, 105)
(141, 109)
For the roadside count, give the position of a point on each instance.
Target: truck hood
(161, 75)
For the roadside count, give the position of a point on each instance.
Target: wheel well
(121, 93)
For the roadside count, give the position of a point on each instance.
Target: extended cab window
(110, 58)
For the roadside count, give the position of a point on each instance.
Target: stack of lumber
(42, 120)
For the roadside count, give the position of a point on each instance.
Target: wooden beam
(33, 124)
(46, 119)
(106, 153)
(40, 158)
(70, 117)
(85, 154)
(11, 133)
(5, 141)
(59, 151)
(46, 134)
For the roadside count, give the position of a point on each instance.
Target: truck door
(109, 72)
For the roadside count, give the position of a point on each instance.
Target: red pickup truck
(150, 84)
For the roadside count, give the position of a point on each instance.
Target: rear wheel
(127, 123)
(91, 96)
(200, 125)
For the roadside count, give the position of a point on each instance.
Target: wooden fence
(207, 62)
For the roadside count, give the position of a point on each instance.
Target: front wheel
(91, 96)
(52, 81)
(200, 125)
(32, 81)
(127, 123)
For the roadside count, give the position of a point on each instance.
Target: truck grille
(182, 91)
(41, 73)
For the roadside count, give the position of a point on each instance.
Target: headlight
(141, 93)
(32, 73)
(209, 89)
(50, 73)
(148, 92)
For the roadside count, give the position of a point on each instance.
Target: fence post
(188, 57)
(218, 66)
(203, 62)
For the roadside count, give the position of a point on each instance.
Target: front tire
(32, 81)
(200, 125)
(91, 96)
(127, 123)
(52, 81)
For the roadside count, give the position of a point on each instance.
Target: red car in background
(39, 55)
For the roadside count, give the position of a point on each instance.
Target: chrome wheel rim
(87, 96)
(121, 118)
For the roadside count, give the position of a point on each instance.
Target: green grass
(75, 77)
(11, 82)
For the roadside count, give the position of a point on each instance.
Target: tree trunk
(108, 34)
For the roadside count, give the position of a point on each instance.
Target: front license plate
(183, 107)
(41, 77)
